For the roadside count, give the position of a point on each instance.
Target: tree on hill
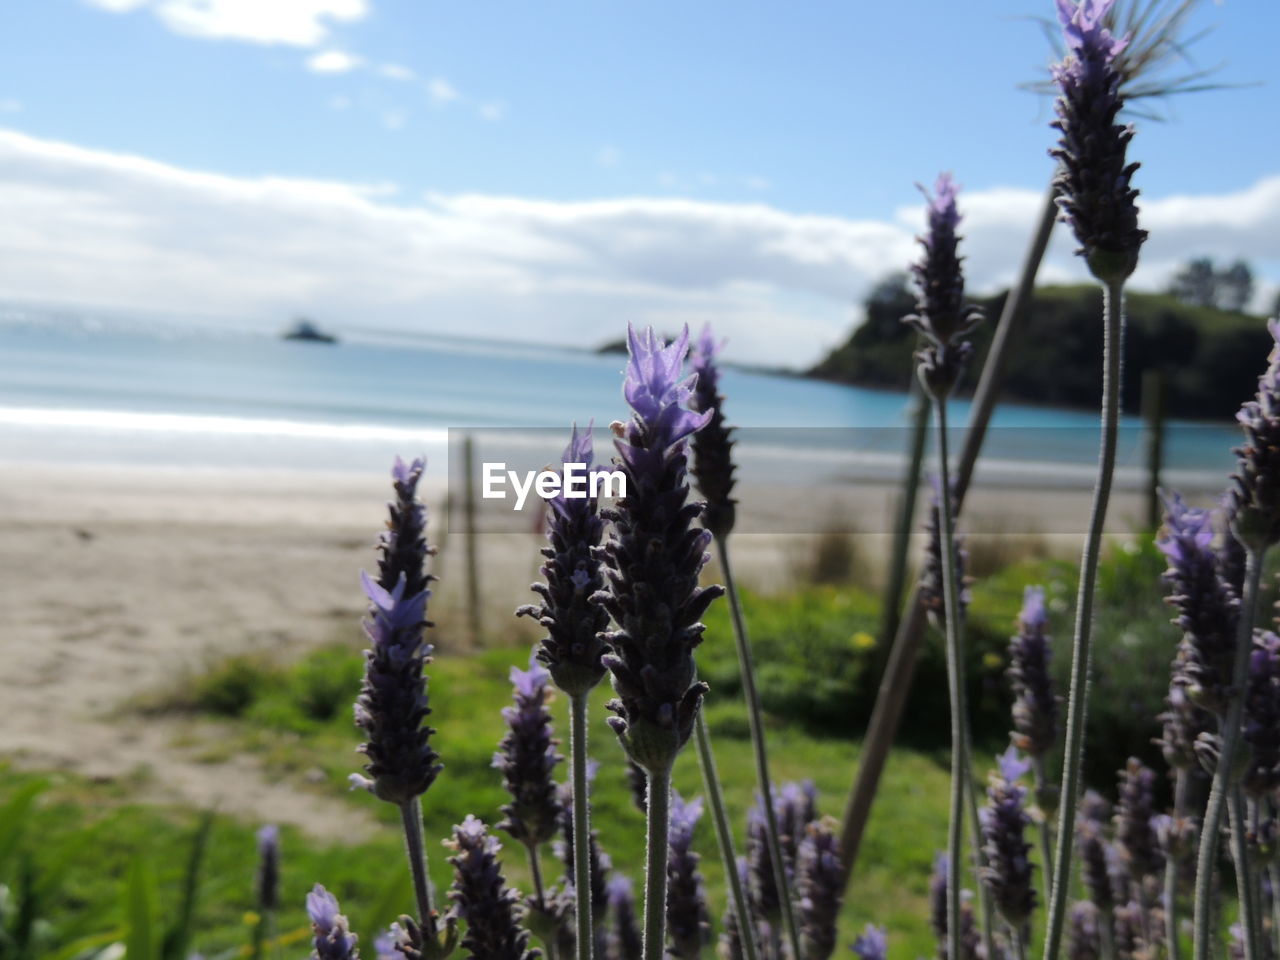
(1200, 283)
(1212, 356)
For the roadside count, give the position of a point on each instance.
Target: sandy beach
(115, 581)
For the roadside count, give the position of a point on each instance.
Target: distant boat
(308, 331)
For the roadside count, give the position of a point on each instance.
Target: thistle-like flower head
(482, 898)
(712, 445)
(332, 937)
(941, 315)
(1207, 609)
(688, 923)
(1093, 176)
(1035, 706)
(872, 944)
(527, 758)
(820, 886)
(1007, 873)
(268, 878)
(572, 649)
(653, 560)
(1255, 493)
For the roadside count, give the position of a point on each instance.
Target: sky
(555, 169)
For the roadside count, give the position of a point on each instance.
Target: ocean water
(83, 388)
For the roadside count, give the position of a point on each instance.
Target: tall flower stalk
(713, 469)
(392, 707)
(652, 561)
(944, 321)
(1096, 198)
(572, 650)
(1255, 511)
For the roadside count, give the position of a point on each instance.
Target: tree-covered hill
(1212, 358)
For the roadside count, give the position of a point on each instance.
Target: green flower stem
(655, 875)
(411, 815)
(1046, 829)
(986, 909)
(1275, 904)
(539, 890)
(1245, 888)
(1207, 858)
(581, 825)
(960, 774)
(1081, 652)
(1171, 868)
(755, 720)
(724, 837)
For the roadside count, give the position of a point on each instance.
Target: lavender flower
(1007, 873)
(970, 939)
(333, 939)
(392, 704)
(1207, 609)
(820, 886)
(941, 315)
(482, 897)
(268, 878)
(872, 945)
(1096, 854)
(1255, 493)
(1093, 176)
(730, 944)
(624, 942)
(572, 649)
(712, 445)
(1035, 707)
(795, 807)
(1262, 717)
(1175, 835)
(762, 887)
(1084, 932)
(1135, 834)
(638, 781)
(527, 759)
(688, 925)
(387, 946)
(600, 862)
(653, 560)
(931, 579)
(1182, 723)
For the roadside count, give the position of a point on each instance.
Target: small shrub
(232, 686)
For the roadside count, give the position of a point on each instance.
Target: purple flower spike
(941, 315)
(482, 898)
(1262, 717)
(527, 758)
(688, 923)
(1084, 933)
(820, 885)
(1207, 609)
(1007, 873)
(1135, 833)
(653, 560)
(1035, 706)
(1093, 176)
(1096, 854)
(712, 445)
(268, 879)
(333, 937)
(1255, 487)
(931, 578)
(625, 939)
(572, 649)
(873, 944)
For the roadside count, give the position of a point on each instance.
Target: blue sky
(821, 110)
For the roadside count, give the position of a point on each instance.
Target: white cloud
(299, 23)
(333, 61)
(441, 90)
(10, 105)
(120, 231)
(394, 71)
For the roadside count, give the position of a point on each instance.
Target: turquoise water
(80, 388)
